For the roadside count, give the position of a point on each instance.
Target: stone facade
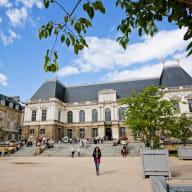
(11, 117)
(91, 110)
(56, 127)
(57, 124)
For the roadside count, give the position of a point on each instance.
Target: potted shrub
(182, 132)
(123, 140)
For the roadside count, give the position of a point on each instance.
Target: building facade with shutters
(90, 110)
(11, 117)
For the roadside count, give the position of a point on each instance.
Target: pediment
(189, 96)
(107, 91)
(175, 97)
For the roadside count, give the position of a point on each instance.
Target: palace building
(90, 110)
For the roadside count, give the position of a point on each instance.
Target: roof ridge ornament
(178, 61)
(171, 64)
(56, 77)
(46, 78)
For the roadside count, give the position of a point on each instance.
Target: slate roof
(171, 76)
(50, 89)
(9, 100)
(90, 92)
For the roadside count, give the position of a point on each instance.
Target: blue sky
(22, 53)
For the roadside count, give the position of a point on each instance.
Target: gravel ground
(55, 174)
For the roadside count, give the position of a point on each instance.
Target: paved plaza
(48, 174)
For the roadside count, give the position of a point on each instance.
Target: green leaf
(77, 27)
(151, 33)
(83, 41)
(56, 32)
(140, 32)
(76, 48)
(187, 35)
(40, 34)
(60, 26)
(46, 4)
(62, 38)
(66, 18)
(67, 41)
(72, 38)
(91, 12)
(189, 53)
(86, 7)
(98, 5)
(55, 55)
(189, 46)
(54, 67)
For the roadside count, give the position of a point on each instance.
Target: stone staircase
(25, 151)
(64, 150)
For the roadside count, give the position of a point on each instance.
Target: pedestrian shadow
(175, 174)
(108, 172)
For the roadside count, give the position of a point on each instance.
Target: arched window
(81, 116)
(94, 115)
(17, 107)
(2, 102)
(121, 112)
(107, 114)
(122, 131)
(69, 133)
(81, 133)
(11, 105)
(94, 132)
(70, 117)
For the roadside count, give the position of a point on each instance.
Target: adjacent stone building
(11, 118)
(90, 110)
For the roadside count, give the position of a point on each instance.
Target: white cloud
(17, 16)
(144, 72)
(69, 70)
(30, 3)
(108, 54)
(185, 62)
(5, 3)
(3, 80)
(151, 71)
(8, 39)
(1, 19)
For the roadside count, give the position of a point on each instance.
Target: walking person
(72, 152)
(78, 151)
(97, 158)
(124, 151)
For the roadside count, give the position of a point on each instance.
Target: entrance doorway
(108, 133)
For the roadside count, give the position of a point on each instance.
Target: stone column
(115, 131)
(101, 131)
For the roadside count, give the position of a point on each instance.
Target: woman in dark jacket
(97, 158)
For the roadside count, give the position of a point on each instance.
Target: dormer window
(10, 105)
(17, 107)
(2, 102)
